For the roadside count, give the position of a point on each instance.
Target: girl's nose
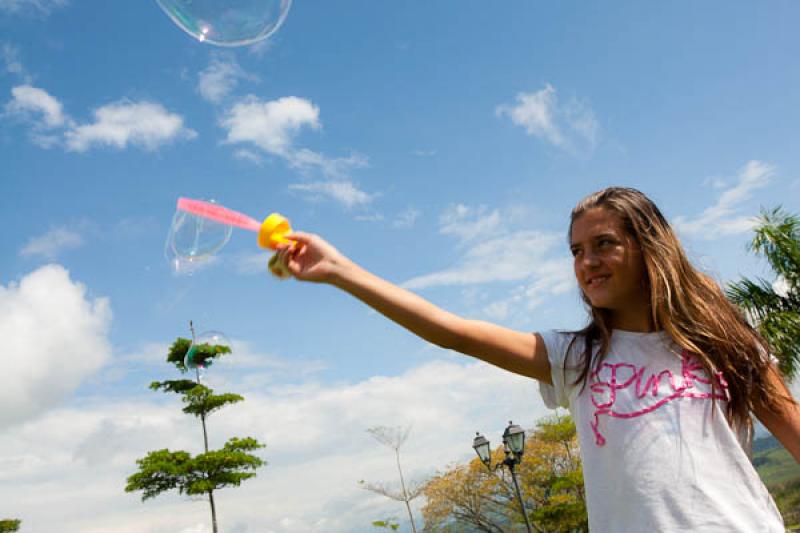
(590, 259)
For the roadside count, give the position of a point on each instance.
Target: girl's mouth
(596, 281)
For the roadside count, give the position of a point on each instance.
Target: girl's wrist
(342, 272)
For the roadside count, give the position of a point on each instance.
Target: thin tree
(775, 307)
(165, 470)
(394, 438)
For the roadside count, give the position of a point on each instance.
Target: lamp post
(514, 448)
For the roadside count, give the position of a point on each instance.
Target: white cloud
(407, 218)
(306, 160)
(13, 64)
(146, 125)
(715, 182)
(491, 252)
(548, 278)
(249, 156)
(560, 125)
(29, 101)
(723, 217)
(149, 353)
(247, 358)
(536, 113)
(52, 243)
(781, 286)
(270, 125)
(343, 192)
(220, 78)
(511, 257)
(260, 48)
(469, 224)
(74, 460)
(40, 6)
(54, 338)
(369, 217)
(581, 119)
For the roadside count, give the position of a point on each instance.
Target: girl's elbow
(452, 335)
(457, 337)
(448, 340)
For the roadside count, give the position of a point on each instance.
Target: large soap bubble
(193, 240)
(227, 22)
(204, 351)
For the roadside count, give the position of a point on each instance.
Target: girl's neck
(638, 320)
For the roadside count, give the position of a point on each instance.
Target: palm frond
(777, 316)
(782, 331)
(757, 298)
(777, 237)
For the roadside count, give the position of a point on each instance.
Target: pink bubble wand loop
(271, 232)
(217, 213)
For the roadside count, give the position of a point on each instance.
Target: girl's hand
(310, 258)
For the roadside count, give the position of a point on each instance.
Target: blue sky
(440, 144)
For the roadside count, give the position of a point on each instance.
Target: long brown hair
(687, 304)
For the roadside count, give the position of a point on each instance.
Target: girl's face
(608, 262)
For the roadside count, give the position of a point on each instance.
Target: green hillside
(781, 474)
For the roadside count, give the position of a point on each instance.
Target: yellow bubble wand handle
(272, 234)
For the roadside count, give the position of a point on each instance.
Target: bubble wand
(271, 232)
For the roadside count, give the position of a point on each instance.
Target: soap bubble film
(192, 241)
(229, 22)
(201, 353)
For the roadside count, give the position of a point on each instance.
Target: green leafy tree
(553, 477)
(775, 307)
(202, 474)
(9, 525)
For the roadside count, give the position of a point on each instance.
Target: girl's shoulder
(561, 344)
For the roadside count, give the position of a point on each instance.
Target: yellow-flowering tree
(470, 497)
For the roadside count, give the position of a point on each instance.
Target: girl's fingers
(281, 255)
(300, 236)
(286, 255)
(285, 249)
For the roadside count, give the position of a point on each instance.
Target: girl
(661, 383)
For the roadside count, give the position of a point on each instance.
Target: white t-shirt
(654, 457)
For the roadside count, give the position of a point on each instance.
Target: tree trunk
(205, 432)
(205, 447)
(213, 511)
(405, 492)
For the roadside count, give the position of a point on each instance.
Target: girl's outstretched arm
(784, 424)
(310, 258)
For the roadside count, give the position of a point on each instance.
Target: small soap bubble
(204, 351)
(192, 241)
(229, 22)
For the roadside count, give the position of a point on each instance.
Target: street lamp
(514, 447)
(481, 446)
